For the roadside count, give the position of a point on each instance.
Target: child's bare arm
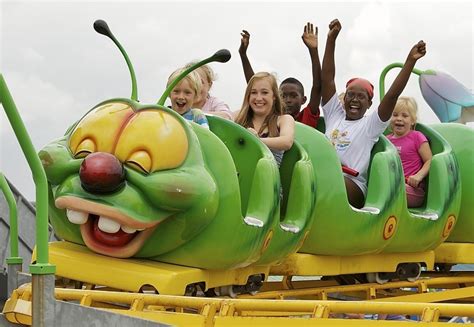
(310, 39)
(287, 134)
(244, 43)
(390, 99)
(426, 156)
(328, 87)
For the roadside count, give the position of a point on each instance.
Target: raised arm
(390, 99)
(328, 87)
(244, 44)
(310, 39)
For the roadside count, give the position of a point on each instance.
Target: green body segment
(461, 139)
(337, 228)
(443, 198)
(233, 239)
(295, 214)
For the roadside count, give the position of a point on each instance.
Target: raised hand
(334, 28)
(244, 41)
(310, 36)
(418, 51)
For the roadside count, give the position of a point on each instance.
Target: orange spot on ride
(389, 228)
(449, 226)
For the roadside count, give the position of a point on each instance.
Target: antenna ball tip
(222, 55)
(101, 27)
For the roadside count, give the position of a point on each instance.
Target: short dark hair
(292, 80)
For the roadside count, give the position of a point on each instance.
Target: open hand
(310, 36)
(418, 51)
(334, 28)
(244, 41)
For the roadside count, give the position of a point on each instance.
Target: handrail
(42, 266)
(7, 192)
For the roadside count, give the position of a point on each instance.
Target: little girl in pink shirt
(413, 147)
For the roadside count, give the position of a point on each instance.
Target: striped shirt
(197, 116)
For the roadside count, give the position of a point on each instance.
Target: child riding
(413, 147)
(353, 134)
(292, 91)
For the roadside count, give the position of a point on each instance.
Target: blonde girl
(413, 147)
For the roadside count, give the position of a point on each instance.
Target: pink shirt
(213, 105)
(408, 146)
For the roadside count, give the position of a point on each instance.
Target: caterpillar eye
(141, 161)
(136, 166)
(82, 154)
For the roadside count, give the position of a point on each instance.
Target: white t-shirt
(352, 139)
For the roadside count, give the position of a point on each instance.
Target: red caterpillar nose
(101, 172)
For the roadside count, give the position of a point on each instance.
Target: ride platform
(78, 263)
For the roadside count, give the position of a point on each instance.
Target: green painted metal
(42, 265)
(461, 139)
(7, 192)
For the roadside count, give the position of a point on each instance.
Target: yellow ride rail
(196, 311)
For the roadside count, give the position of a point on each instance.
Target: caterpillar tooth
(77, 217)
(108, 225)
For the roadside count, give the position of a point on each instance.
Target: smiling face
(120, 174)
(182, 97)
(356, 102)
(402, 122)
(261, 97)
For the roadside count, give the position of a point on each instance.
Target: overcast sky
(57, 67)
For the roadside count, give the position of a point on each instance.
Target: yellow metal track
(424, 301)
(323, 289)
(432, 298)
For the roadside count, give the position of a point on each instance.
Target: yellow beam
(437, 296)
(295, 322)
(302, 264)
(421, 284)
(455, 253)
(79, 263)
